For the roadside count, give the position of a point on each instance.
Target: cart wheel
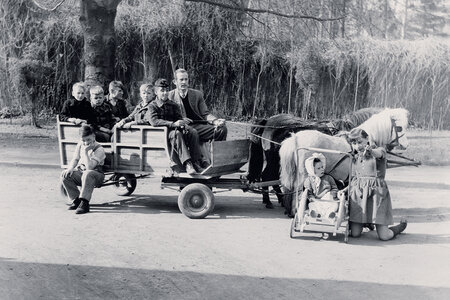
(125, 185)
(196, 201)
(293, 225)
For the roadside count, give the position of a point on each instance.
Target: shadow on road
(64, 281)
(228, 207)
(423, 215)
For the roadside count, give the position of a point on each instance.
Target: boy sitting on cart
(184, 139)
(84, 170)
(320, 189)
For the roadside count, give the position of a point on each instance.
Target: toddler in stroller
(320, 189)
(321, 206)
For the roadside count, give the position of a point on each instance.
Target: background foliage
(247, 64)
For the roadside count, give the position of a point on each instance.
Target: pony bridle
(395, 130)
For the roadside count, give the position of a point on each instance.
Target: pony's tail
(256, 153)
(288, 162)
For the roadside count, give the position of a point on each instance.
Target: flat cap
(161, 82)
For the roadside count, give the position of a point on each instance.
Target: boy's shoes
(83, 207)
(198, 167)
(75, 204)
(190, 168)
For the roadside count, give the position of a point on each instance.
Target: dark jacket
(120, 109)
(196, 101)
(78, 109)
(164, 113)
(139, 114)
(104, 116)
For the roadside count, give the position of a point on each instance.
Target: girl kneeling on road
(85, 170)
(370, 201)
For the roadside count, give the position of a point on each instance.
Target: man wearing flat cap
(183, 138)
(194, 109)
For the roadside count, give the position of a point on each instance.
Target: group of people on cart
(183, 110)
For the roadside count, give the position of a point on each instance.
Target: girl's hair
(357, 133)
(316, 160)
(145, 86)
(78, 85)
(86, 130)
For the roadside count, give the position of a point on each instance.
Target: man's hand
(219, 122)
(180, 123)
(127, 125)
(89, 147)
(104, 129)
(187, 121)
(67, 173)
(120, 124)
(75, 121)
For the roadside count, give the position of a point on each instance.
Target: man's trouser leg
(71, 184)
(89, 180)
(192, 140)
(179, 146)
(207, 132)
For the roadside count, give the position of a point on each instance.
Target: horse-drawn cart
(143, 151)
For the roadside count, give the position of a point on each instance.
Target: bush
(10, 112)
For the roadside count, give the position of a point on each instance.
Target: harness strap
(276, 143)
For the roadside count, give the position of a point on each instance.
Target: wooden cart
(143, 151)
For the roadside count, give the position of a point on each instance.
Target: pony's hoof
(269, 205)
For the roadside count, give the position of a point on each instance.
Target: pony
(383, 129)
(266, 138)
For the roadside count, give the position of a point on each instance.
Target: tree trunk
(97, 21)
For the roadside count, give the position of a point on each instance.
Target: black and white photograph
(224, 149)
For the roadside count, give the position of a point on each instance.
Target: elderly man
(194, 109)
(183, 138)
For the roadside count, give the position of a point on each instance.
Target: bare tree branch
(269, 11)
(48, 9)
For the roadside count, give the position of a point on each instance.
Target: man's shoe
(75, 204)
(83, 207)
(198, 167)
(204, 164)
(190, 168)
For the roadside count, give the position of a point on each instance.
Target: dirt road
(142, 247)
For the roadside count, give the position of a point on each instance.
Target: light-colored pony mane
(379, 126)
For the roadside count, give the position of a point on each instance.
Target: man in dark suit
(194, 109)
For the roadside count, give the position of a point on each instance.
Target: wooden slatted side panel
(68, 138)
(141, 149)
(227, 156)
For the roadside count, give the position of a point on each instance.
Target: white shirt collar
(183, 94)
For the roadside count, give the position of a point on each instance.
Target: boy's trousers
(88, 180)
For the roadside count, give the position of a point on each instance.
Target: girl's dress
(370, 201)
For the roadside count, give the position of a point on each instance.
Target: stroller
(306, 220)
